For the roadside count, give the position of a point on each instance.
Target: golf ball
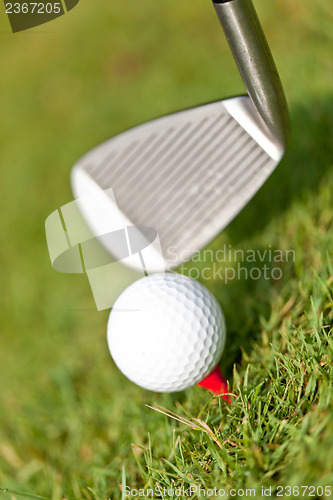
(166, 332)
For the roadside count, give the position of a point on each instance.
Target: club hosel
(252, 54)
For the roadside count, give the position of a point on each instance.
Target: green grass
(71, 426)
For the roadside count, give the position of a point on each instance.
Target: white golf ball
(166, 332)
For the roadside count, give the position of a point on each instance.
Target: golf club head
(187, 175)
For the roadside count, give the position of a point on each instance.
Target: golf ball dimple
(166, 332)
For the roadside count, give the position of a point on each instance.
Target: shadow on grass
(249, 299)
(308, 159)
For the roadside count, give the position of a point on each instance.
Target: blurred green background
(67, 416)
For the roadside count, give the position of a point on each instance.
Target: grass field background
(70, 424)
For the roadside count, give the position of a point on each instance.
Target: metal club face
(189, 174)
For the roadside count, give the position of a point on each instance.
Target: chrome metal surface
(185, 175)
(252, 54)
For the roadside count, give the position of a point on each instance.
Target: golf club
(187, 175)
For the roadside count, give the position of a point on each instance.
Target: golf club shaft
(252, 54)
